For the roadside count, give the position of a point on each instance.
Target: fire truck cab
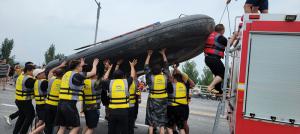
(264, 93)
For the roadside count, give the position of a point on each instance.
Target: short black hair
(118, 74)
(219, 27)
(59, 73)
(28, 68)
(86, 68)
(178, 77)
(73, 64)
(28, 63)
(156, 69)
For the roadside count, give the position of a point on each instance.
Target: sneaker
(214, 91)
(8, 120)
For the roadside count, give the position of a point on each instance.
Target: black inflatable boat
(183, 38)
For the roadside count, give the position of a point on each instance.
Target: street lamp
(98, 14)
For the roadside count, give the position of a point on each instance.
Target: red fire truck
(264, 80)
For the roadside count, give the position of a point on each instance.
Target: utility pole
(98, 14)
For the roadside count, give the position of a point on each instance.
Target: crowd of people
(57, 92)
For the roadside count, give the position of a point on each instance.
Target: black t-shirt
(222, 40)
(29, 83)
(44, 86)
(78, 79)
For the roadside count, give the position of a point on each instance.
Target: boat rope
(228, 16)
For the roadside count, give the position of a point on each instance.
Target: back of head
(118, 74)
(59, 73)
(29, 68)
(219, 28)
(73, 64)
(156, 69)
(178, 77)
(28, 63)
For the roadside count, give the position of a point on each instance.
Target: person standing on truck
(71, 91)
(214, 51)
(253, 6)
(156, 111)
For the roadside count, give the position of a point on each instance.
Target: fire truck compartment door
(273, 78)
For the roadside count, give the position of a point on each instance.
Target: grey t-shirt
(4, 69)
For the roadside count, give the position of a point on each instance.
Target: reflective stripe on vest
(23, 93)
(138, 93)
(69, 91)
(158, 87)
(132, 91)
(39, 95)
(179, 95)
(91, 96)
(118, 94)
(212, 45)
(53, 92)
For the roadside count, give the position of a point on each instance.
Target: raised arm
(106, 75)
(163, 53)
(132, 68)
(119, 62)
(94, 69)
(165, 66)
(50, 75)
(148, 57)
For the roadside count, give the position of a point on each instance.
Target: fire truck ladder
(221, 105)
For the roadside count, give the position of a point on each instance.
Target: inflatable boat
(183, 38)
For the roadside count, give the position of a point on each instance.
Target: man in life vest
(132, 100)
(119, 100)
(178, 95)
(156, 110)
(214, 51)
(191, 84)
(24, 96)
(92, 101)
(40, 94)
(54, 78)
(71, 91)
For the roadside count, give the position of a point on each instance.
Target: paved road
(201, 119)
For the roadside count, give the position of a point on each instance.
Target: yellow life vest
(23, 93)
(69, 91)
(179, 95)
(138, 93)
(91, 96)
(118, 94)
(158, 87)
(53, 91)
(39, 95)
(132, 91)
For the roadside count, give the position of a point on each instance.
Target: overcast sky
(69, 24)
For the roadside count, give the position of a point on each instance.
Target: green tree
(207, 76)
(59, 56)
(6, 48)
(50, 54)
(189, 67)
